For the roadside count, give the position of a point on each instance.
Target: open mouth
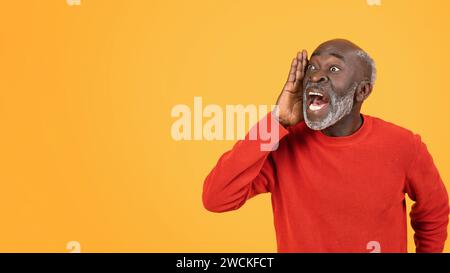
(317, 100)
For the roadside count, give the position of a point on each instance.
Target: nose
(319, 78)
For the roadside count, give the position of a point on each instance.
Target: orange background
(86, 93)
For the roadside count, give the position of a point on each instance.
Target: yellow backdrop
(86, 93)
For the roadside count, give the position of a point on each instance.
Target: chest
(344, 178)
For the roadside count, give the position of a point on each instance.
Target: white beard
(339, 108)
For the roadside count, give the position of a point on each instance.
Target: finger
(305, 58)
(298, 71)
(299, 57)
(304, 63)
(294, 65)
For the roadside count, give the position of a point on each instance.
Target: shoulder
(388, 131)
(396, 138)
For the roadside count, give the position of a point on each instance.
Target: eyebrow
(339, 56)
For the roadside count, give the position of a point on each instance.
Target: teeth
(313, 107)
(315, 93)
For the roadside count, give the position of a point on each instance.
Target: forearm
(240, 172)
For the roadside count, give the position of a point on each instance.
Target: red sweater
(338, 194)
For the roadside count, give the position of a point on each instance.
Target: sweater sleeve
(429, 213)
(244, 171)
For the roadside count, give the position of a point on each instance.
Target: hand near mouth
(290, 101)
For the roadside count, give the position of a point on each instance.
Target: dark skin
(333, 64)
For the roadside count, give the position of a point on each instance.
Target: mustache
(315, 86)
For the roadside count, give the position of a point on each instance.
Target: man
(338, 177)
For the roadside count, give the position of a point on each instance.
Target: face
(329, 87)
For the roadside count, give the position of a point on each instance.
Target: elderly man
(338, 177)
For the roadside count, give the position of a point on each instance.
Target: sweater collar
(357, 136)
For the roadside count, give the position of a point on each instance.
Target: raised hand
(290, 101)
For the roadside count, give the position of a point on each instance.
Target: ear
(363, 91)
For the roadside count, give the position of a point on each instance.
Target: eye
(334, 69)
(311, 67)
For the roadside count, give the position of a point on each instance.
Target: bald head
(344, 48)
(342, 44)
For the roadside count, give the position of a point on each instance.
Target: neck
(346, 126)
